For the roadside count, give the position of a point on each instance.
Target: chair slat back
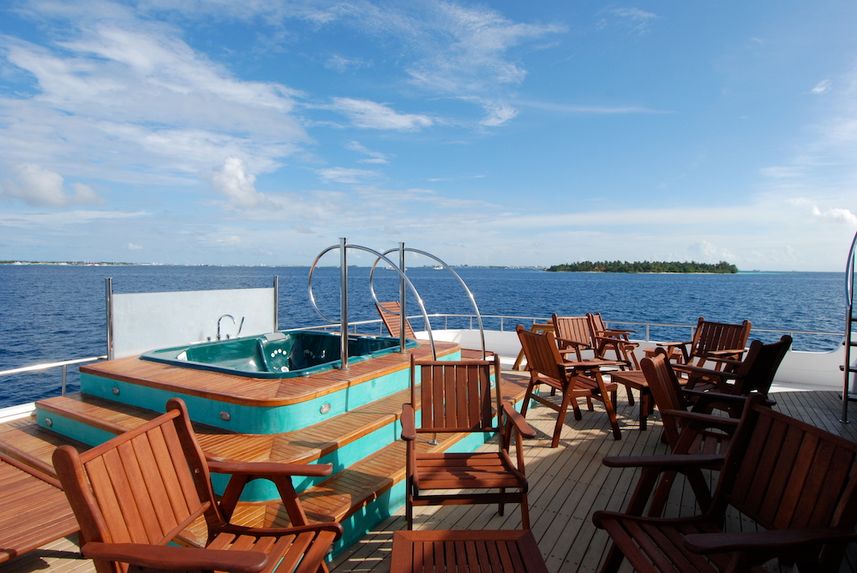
(390, 312)
(541, 352)
(456, 396)
(788, 474)
(712, 336)
(574, 328)
(756, 373)
(665, 389)
(144, 486)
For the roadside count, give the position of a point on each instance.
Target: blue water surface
(58, 312)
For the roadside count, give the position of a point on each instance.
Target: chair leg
(608, 405)
(589, 405)
(560, 418)
(409, 505)
(501, 505)
(527, 397)
(613, 560)
(630, 395)
(525, 512)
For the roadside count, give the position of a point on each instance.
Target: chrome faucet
(221, 317)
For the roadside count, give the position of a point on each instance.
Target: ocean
(57, 312)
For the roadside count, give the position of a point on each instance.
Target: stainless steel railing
(62, 364)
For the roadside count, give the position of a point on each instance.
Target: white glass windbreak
(148, 321)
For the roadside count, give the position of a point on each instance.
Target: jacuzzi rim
(410, 343)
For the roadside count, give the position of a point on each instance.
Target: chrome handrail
(64, 364)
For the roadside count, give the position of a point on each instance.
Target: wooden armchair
(456, 397)
(616, 339)
(754, 374)
(573, 380)
(391, 312)
(796, 481)
(136, 493)
(688, 428)
(712, 341)
(575, 335)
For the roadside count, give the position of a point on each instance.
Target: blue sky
(519, 133)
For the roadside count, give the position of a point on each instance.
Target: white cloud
(135, 247)
(373, 157)
(341, 64)
(588, 109)
(498, 114)
(372, 115)
(836, 214)
(132, 93)
(345, 175)
(635, 19)
(821, 87)
(239, 186)
(36, 185)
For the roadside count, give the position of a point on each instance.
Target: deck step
(24, 441)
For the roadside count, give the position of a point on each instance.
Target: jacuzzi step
(366, 492)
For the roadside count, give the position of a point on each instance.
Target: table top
(457, 550)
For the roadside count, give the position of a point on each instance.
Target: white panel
(148, 321)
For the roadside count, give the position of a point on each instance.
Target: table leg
(645, 400)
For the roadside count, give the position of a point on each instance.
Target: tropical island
(644, 267)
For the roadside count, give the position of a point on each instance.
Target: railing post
(648, 332)
(501, 324)
(108, 304)
(343, 303)
(64, 379)
(402, 299)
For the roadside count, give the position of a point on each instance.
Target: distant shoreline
(646, 267)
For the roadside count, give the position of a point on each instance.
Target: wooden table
(477, 551)
(635, 379)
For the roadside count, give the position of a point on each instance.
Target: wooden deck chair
(796, 481)
(391, 311)
(572, 379)
(573, 336)
(712, 341)
(135, 493)
(753, 374)
(462, 397)
(688, 428)
(604, 339)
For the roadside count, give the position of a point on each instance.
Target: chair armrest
(618, 331)
(593, 364)
(268, 469)
(409, 429)
(177, 558)
(675, 462)
(335, 528)
(617, 341)
(691, 369)
(518, 421)
(574, 343)
(783, 539)
(714, 354)
(700, 420)
(673, 344)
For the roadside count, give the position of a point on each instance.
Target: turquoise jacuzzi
(275, 355)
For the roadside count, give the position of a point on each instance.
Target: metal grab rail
(847, 368)
(343, 247)
(402, 250)
(64, 364)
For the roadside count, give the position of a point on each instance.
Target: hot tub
(275, 355)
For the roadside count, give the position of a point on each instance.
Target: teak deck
(256, 391)
(566, 485)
